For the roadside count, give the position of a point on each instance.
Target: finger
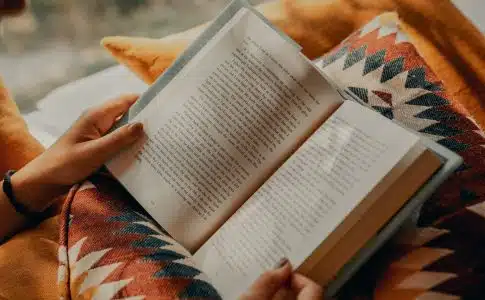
(111, 144)
(305, 288)
(106, 114)
(269, 283)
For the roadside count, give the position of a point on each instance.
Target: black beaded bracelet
(19, 207)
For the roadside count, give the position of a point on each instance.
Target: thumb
(112, 143)
(269, 283)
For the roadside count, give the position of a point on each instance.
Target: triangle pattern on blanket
(396, 82)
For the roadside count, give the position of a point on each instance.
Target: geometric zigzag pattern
(120, 253)
(444, 258)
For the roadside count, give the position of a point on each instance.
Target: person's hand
(282, 283)
(83, 149)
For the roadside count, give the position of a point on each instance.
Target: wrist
(34, 191)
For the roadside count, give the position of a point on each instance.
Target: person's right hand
(282, 283)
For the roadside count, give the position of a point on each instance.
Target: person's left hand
(83, 149)
(282, 283)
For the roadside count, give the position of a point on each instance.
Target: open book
(250, 155)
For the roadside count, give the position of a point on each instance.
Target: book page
(306, 198)
(221, 126)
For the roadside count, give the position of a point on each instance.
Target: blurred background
(57, 41)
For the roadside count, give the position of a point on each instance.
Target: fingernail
(281, 263)
(136, 128)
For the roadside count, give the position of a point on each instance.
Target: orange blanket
(447, 40)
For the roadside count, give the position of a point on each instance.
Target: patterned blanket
(443, 258)
(110, 249)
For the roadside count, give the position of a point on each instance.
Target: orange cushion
(17, 145)
(28, 263)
